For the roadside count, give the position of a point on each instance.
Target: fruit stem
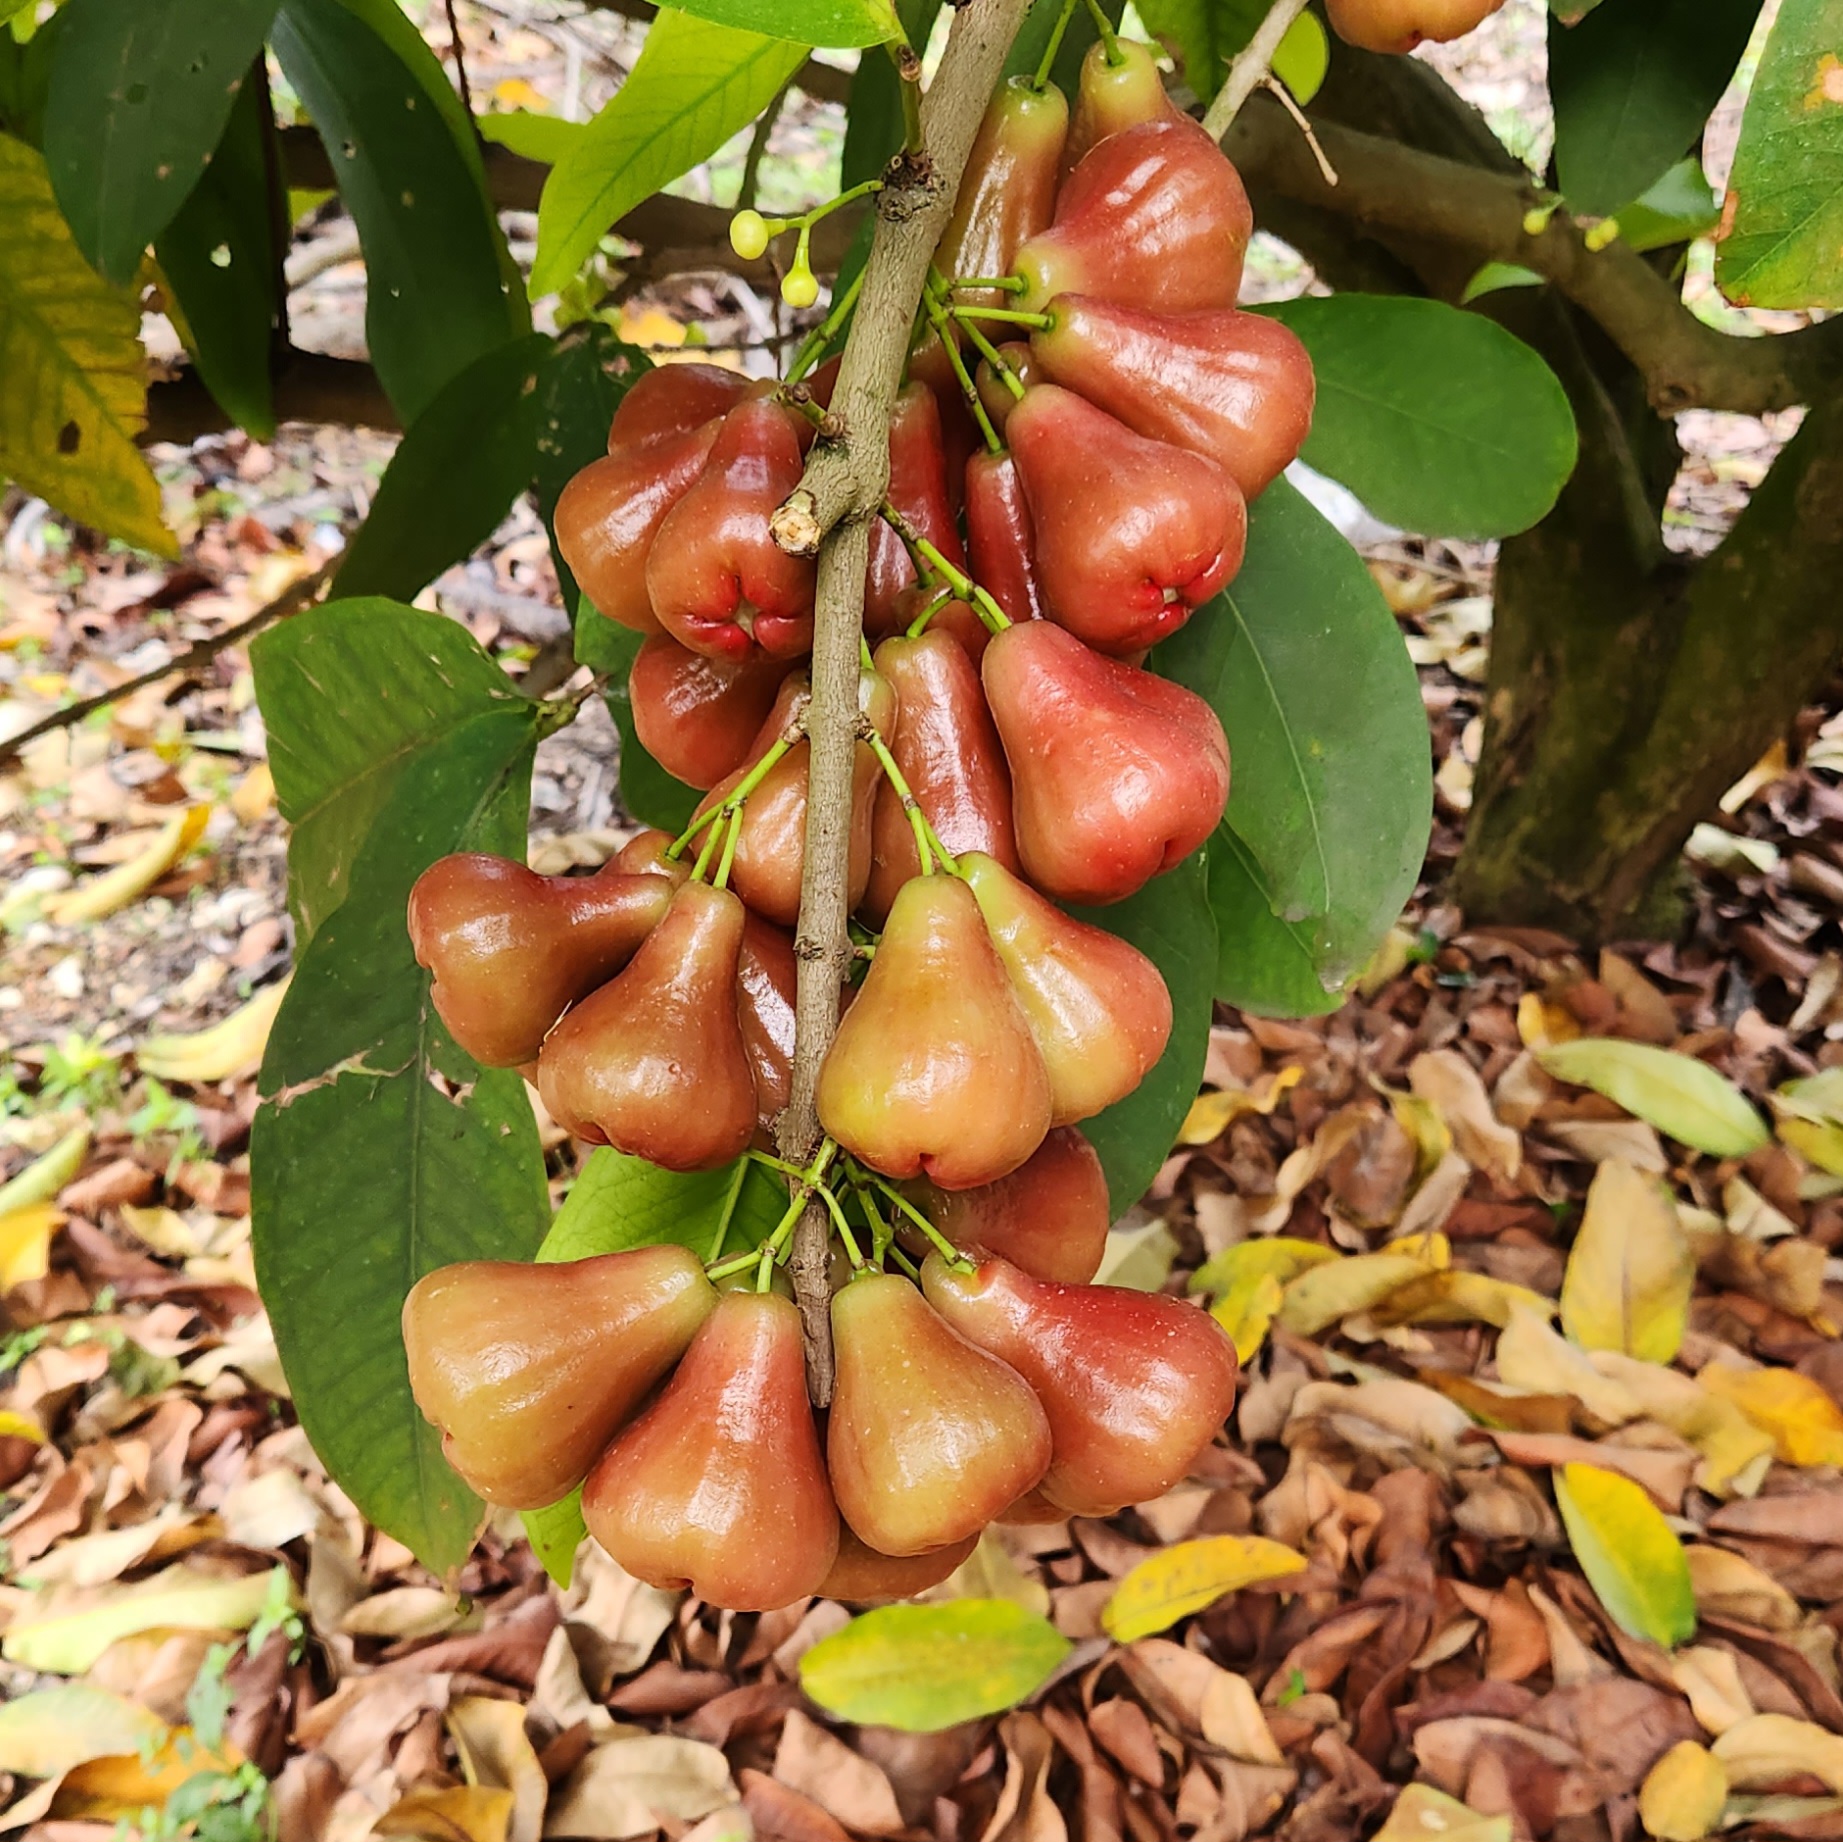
(1012, 316)
(1111, 39)
(853, 1252)
(963, 585)
(729, 1212)
(943, 326)
(813, 347)
(926, 843)
(729, 851)
(938, 1241)
(996, 359)
(881, 1231)
(1046, 63)
(712, 838)
(732, 802)
(908, 85)
(919, 625)
(1003, 284)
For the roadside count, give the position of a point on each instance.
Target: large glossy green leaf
(380, 1151)
(440, 289)
(453, 477)
(140, 93)
(1207, 33)
(218, 256)
(1263, 964)
(1784, 244)
(920, 1668)
(647, 791)
(1438, 420)
(694, 86)
(621, 1201)
(839, 23)
(1169, 921)
(340, 753)
(73, 382)
(583, 377)
(1633, 85)
(1332, 787)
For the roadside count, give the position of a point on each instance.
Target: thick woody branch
(1398, 188)
(845, 482)
(308, 387)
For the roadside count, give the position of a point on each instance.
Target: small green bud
(748, 234)
(800, 286)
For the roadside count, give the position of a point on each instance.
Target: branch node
(795, 525)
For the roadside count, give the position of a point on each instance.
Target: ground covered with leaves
(1529, 1521)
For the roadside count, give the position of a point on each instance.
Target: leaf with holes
(694, 86)
(141, 91)
(75, 391)
(380, 1151)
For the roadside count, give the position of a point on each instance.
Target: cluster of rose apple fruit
(1087, 415)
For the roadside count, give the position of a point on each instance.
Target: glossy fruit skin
(930, 365)
(995, 395)
(512, 950)
(1008, 193)
(1049, 1218)
(771, 853)
(1135, 1385)
(1234, 387)
(654, 1062)
(918, 490)
(766, 975)
(950, 755)
(720, 1485)
(696, 715)
(645, 854)
(1400, 25)
(718, 582)
(672, 399)
(530, 1370)
(1116, 775)
(928, 1438)
(1113, 97)
(609, 515)
(862, 1576)
(953, 617)
(934, 1069)
(1000, 539)
(1155, 215)
(1096, 1005)
(1131, 534)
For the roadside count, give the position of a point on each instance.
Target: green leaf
(1207, 32)
(75, 394)
(1633, 85)
(1495, 276)
(920, 1668)
(1784, 245)
(1681, 206)
(1438, 420)
(873, 116)
(1303, 57)
(1033, 37)
(621, 1201)
(140, 93)
(1676, 1093)
(652, 795)
(532, 136)
(380, 1150)
(218, 256)
(1628, 1553)
(356, 718)
(1263, 964)
(694, 86)
(1331, 793)
(453, 477)
(583, 377)
(440, 290)
(840, 24)
(1169, 921)
(555, 1534)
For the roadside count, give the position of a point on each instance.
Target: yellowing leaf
(1247, 1311)
(104, 894)
(1278, 1254)
(122, 1787)
(64, 1633)
(1447, 1081)
(1681, 1096)
(924, 1667)
(1326, 1294)
(1423, 1814)
(44, 1177)
(229, 1048)
(19, 1426)
(1185, 1578)
(51, 1730)
(1539, 1360)
(462, 1813)
(1683, 1794)
(1453, 1296)
(1806, 1424)
(1809, 1113)
(25, 1243)
(76, 377)
(1631, 1271)
(1766, 1748)
(1542, 1025)
(1735, 1452)
(1626, 1550)
(1211, 1113)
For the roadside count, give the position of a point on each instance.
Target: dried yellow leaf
(1630, 1273)
(25, 1242)
(1806, 1424)
(1183, 1579)
(1423, 1814)
(1760, 1751)
(1683, 1794)
(1212, 1113)
(104, 894)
